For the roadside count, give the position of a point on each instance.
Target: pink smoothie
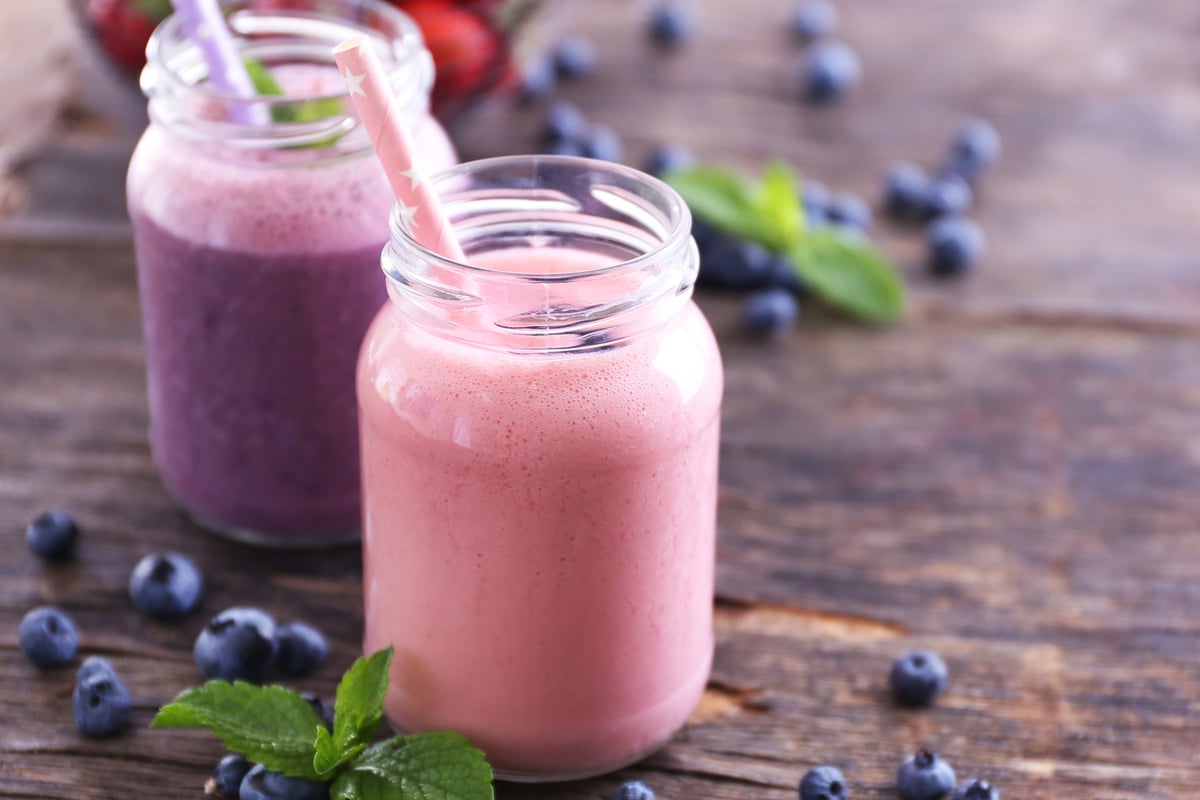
(539, 534)
(259, 275)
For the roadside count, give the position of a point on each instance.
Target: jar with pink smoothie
(258, 227)
(539, 433)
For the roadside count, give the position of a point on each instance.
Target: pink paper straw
(372, 96)
(204, 24)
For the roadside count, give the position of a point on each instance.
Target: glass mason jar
(539, 435)
(257, 251)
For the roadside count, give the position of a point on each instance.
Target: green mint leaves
(359, 707)
(426, 766)
(299, 111)
(269, 725)
(848, 274)
(274, 726)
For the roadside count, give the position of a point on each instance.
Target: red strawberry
(464, 48)
(124, 26)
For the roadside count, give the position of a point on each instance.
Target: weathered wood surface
(1011, 477)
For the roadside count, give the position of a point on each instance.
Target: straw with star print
(205, 26)
(415, 198)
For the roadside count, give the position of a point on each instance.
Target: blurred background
(1091, 210)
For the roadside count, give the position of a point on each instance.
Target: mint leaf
(424, 766)
(726, 200)
(849, 275)
(269, 725)
(264, 82)
(779, 202)
(299, 111)
(359, 705)
(329, 756)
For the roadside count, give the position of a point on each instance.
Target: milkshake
(540, 470)
(258, 250)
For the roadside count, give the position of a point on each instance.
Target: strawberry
(124, 26)
(469, 55)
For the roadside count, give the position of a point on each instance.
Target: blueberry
(772, 311)
(828, 72)
(906, 191)
(732, 263)
(52, 534)
(976, 789)
(603, 143)
(320, 706)
(228, 774)
(100, 702)
(784, 276)
(165, 585)
(48, 637)
(918, 677)
(564, 122)
(948, 194)
(537, 79)
(851, 210)
(574, 57)
(814, 19)
(237, 644)
(301, 648)
(816, 198)
(955, 244)
(974, 149)
(667, 158)
(262, 784)
(632, 790)
(703, 233)
(823, 783)
(924, 776)
(670, 23)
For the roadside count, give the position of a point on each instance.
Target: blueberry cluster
(48, 637)
(235, 777)
(244, 643)
(774, 288)
(567, 132)
(239, 643)
(942, 200)
(923, 775)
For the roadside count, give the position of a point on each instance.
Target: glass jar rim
(395, 35)
(676, 233)
(639, 272)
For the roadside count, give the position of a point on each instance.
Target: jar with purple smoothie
(258, 228)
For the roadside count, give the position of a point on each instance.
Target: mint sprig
(274, 726)
(846, 273)
(298, 111)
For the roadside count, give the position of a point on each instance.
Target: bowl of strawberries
(472, 41)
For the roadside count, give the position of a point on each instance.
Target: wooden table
(1011, 477)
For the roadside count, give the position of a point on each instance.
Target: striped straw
(205, 26)
(416, 200)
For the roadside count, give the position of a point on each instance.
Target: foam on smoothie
(264, 202)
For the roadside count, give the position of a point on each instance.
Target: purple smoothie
(252, 406)
(259, 274)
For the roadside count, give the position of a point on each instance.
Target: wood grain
(1009, 477)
